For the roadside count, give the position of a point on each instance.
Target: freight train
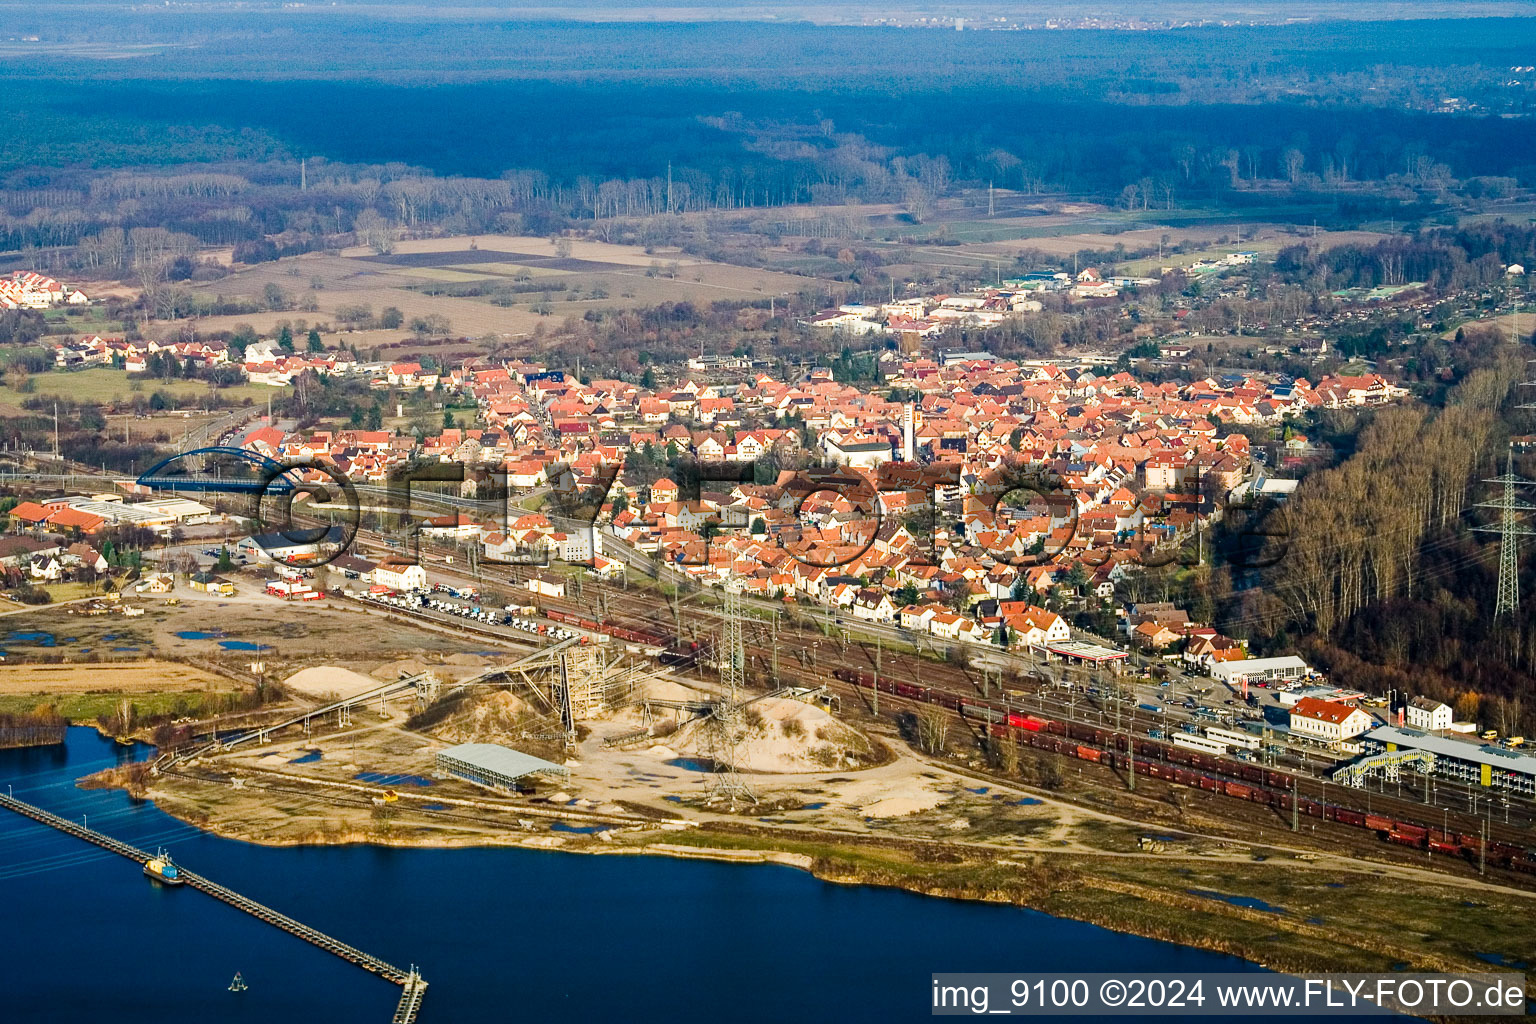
(673, 653)
(611, 628)
(1197, 769)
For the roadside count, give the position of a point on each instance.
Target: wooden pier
(410, 981)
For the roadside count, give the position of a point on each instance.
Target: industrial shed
(490, 764)
(1269, 670)
(1465, 761)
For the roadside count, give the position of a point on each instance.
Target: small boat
(238, 985)
(160, 868)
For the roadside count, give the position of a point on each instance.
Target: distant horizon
(974, 15)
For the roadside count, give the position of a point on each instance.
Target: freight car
(624, 631)
(1209, 772)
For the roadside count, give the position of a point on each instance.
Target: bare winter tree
(932, 729)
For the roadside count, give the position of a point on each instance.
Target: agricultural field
(430, 277)
(83, 691)
(106, 386)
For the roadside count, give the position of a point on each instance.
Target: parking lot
(441, 600)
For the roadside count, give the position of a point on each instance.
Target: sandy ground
(328, 680)
(776, 734)
(135, 677)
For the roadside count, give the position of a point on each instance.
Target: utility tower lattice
(1510, 528)
(733, 665)
(725, 719)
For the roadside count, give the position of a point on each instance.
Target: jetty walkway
(410, 980)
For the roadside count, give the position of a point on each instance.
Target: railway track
(640, 609)
(957, 681)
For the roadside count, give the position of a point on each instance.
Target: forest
(1377, 575)
(472, 127)
(41, 727)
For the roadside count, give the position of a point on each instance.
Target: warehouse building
(490, 764)
(1268, 670)
(1463, 760)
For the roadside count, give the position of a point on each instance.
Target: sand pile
(900, 806)
(449, 669)
(671, 689)
(495, 717)
(329, 680)
(777, 734)
(392, 670)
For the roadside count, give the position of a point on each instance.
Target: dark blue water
(1251, 902)
(386, 779)
(31, 638)
(500, 934)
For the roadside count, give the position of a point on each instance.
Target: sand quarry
(778, 734)
(782, 745)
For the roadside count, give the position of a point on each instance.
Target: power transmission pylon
(1510, 528)
(725, 724)
(733, 666)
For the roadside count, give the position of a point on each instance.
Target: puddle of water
(691, 764)
(584, 830)
(200, 634)
(308, 757)
(1500, 960)
(1027, 801)
(979, 790)
(1250, 902)
(382, 779)
(242, 645)
(31, 638)
(814, 807)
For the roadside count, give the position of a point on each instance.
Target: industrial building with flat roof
(1486, 765)
(490, 764)
(1255, 669)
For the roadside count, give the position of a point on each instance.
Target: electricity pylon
(1510, 528)
(725, 725)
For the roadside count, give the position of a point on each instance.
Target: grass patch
(87, 706)
(102, 384)
(71, 591)
(534, 503)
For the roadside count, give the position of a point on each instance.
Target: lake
(500, 934)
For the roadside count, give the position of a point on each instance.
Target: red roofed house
(30, 514)
(74, 519)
